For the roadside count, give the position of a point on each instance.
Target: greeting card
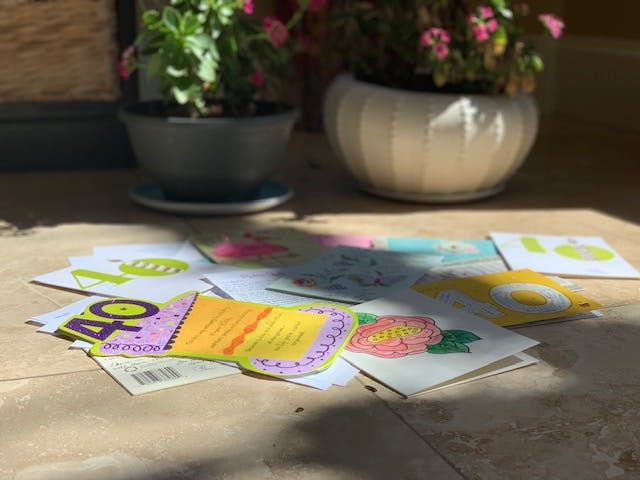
(155, 278)
(354, 275)
(262, 338)
(509, 298)
(413, 343)
(452, 251)
(276, 247)
(562, 255)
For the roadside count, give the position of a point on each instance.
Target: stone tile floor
(574, 415)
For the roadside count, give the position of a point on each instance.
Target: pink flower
(257, 78)
(276, 30)
(434, 36)
(315, 5)
(425, 39)
(481, 33)
(394, 336)
(492, 25)
(553, 24)
(486, 12)
(123, 64)
(228, 249)
(247, 6)
(441, 50)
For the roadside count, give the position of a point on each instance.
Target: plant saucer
(270, 195)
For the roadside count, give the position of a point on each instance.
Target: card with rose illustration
(413, 344)
(355, 275)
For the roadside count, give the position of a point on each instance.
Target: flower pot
(428, 147)
(207, 159)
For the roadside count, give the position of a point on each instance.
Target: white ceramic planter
(428, 147)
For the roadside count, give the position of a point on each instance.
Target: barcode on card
(154, 376)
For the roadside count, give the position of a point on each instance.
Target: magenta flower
(481, 33)
(437, 39)
(123, 64)
(257, 78)
(441, 50)
(553, 24)
(485, 12)
(492, 25)
(276, 30)
(247, 6)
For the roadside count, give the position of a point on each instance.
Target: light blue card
(355, 275)
(452, 251)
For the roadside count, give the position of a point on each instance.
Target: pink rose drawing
(254, 247)
(395, 336)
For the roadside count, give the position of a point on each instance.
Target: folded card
(509, 298)
(413, 343)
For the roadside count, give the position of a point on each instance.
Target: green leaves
(364, 318)
(453, 341)
(171, 18)
(200, 50)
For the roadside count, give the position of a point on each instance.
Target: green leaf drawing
(446, 346)
(364, 318)
(453, 341)
(461, 336)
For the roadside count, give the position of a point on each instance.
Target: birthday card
(509, 298)
(560, 255)
(263, 338)
(354, 275)
(452, 251)
(412, 343)
(276, 247)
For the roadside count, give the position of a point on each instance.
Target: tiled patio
(573, 416)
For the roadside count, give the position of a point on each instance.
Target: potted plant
(437, 106)
(219, 132)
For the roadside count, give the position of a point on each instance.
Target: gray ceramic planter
(207, 159)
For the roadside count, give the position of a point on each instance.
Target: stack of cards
(417, 314)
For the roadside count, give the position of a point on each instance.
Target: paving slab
(67, 427)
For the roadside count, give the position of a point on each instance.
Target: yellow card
(509, 298)
(219, 327)
(262, 338)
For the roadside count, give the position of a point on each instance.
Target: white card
(138, 375)
(412, 343)
(249, 285)
(519, 360)
(183, 250)
(560, 255)
(156, 279)
(339, 373)
(144, 374)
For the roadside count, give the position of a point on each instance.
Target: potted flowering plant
(219, 132)
(438, 93)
